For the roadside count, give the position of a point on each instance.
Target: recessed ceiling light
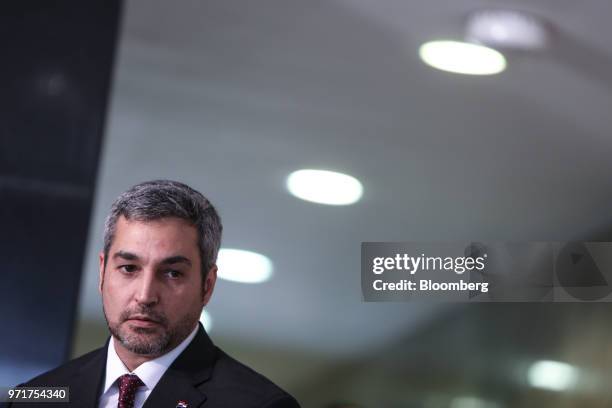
(508, 29)
(462, 57)
(472, 402)
(552, 375)
(238, 265)
(206, 320)
(324, 187)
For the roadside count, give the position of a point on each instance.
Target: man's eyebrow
(176, 259)
(128, 256)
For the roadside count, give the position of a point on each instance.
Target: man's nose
(146, 292)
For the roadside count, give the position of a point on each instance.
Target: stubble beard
(145, 341)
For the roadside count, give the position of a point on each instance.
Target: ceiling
(231, 96)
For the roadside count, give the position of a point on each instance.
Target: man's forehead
(165, 236)
(168, 225)
(134, 221)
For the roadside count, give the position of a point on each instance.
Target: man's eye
(128, 268)
(171, 273)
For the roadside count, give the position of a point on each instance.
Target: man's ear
(209, 284)
(101, 271)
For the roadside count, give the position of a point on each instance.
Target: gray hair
(153, 200)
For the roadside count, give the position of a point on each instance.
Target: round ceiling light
(242, 266)
(552, 375)
(324, 187)
(462, 58)
(206, 320)
(508, 29)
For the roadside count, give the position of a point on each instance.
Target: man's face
(151, 287)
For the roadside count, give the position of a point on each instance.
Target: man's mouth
(144, 321)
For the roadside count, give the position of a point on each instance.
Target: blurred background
(231, 97)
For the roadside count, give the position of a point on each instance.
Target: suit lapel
(86, 385)
(174, 386)
(191, 368)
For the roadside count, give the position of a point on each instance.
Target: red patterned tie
(127, 390)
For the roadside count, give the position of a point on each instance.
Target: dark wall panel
(55, 81)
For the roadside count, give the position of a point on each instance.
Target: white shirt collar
(150, 372)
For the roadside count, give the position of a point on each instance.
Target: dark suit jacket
(202, 375)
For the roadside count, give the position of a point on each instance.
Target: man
(157, 272)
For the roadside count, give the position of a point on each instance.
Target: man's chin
(145, 346)
(146, 341)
